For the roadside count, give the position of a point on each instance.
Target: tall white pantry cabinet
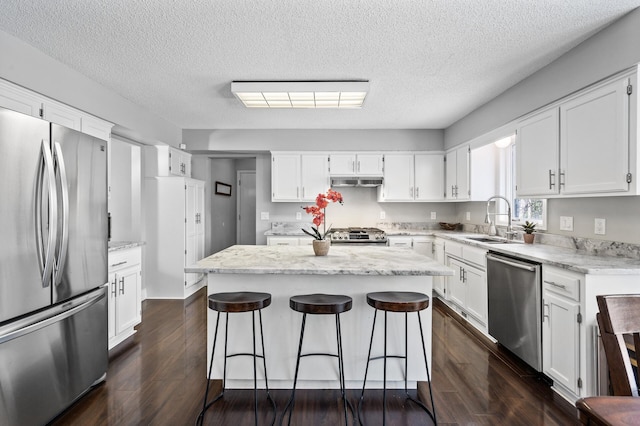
(175, 236)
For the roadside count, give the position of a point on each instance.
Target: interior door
(81, 178)
(23, 140)
(246, 207)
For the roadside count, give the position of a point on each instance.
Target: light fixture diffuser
(301, 94)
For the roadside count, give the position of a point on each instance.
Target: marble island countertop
(300, 260)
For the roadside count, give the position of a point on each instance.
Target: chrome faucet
(492, 228)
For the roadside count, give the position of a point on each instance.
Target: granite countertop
(122, 245)
(296, 260)
(566, 258)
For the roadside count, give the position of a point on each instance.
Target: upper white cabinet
(27, 102)
(164, 160)
(584, 145)
(298, 177)
(457, 173)
(594, 140)
(356, 164)
(413, 177)
(537, 174)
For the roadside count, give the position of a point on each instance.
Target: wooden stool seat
(243, 301)
(398, 301)
(321, 303)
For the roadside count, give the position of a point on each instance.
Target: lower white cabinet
(174, 236)
(467, 287)
(438, 255)
(422, 244)
(289, 241)
(125, 284)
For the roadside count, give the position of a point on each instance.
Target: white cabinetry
(413, 177)
(164, 160)
(467, 288)
(19, 99)
(422, 244)
(61, 114)
(298, 177)
(438, 255)
(289, 241)
(356, 164)
(457, 173)
(582, 145)
(125, 305)
(175, 236)
(569, 343)
(561, 326)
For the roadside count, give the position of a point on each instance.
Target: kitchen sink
(489, 240)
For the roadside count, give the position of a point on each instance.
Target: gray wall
(26, 66)
(313, 140)
(613, 49)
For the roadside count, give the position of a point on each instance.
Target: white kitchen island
(285, 271)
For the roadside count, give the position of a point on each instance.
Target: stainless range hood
(363, 182)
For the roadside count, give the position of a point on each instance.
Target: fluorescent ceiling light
(301, 94)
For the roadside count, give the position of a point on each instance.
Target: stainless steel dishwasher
(515, 306)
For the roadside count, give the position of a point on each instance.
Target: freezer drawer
(50, 359)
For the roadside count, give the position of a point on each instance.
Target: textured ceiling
(429, 62)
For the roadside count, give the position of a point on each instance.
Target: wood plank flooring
(157, 378)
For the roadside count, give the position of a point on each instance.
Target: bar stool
(320, 304)
(234, 303)
(397, 301)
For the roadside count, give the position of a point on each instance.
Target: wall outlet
(383, 215)
(566, 223)
(433, 215)
(600, 226)
(298, 216)
(264, 215)
(467, 216)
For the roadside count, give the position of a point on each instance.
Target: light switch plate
(600, 226)
(433, 215)
(383, 215)
(566, 223)
(468, 216)
(264, 215)
(298, 216)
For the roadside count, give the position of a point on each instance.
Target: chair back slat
(619, 317)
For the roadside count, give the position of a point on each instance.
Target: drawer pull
(562, 286)
(118, 264)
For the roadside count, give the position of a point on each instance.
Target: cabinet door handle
(113, 265)
(113, 286)
(555, 284)
(545, 311)
(417, 192)
(552, 176)
(122, 285)
(562, 178)
(358, 166)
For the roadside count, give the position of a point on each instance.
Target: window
(522, 209)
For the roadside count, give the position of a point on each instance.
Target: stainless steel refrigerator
(53, 267)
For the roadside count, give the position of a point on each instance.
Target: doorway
(246, 207)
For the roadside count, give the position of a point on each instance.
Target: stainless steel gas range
(358, 236)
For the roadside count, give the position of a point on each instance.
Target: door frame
(239, 174)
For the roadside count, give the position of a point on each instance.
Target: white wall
(611, 50)
(26, 66)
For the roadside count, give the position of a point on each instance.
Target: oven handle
(510, 263)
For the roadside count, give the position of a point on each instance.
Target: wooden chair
(619, 322)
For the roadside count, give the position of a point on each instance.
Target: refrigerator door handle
(52, 219)
(37, 322)
(64, 242)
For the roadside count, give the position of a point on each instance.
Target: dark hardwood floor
(157, 377)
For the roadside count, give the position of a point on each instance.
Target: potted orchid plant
(318, 211)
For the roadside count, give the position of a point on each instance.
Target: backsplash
(587, 245)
